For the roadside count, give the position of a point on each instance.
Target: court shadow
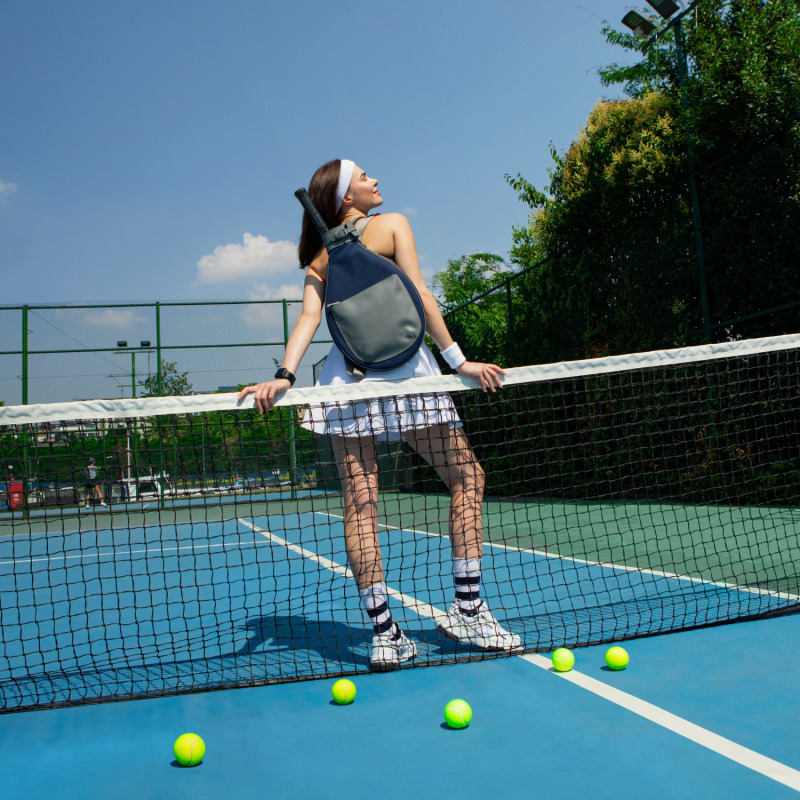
(328, 639)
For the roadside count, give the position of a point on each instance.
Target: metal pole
(24, 355)
(158, 348)
(289, 414)
(698, 229)
(509, 322)
(133, 373)
(25, 428)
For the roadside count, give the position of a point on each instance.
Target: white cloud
(289, 291)
(255, 257)
(7, 187)
(113, 318)
(260, 315)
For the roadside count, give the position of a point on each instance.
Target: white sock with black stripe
(375, 603)
(467, 578)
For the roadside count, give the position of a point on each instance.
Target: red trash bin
(15, 494)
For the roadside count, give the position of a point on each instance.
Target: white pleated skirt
(385, 418)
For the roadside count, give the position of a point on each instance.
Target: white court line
(115, 553)
(423, 609)
(603, 564)
(719, 744)
(754, 761)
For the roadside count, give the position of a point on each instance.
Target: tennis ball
(344, 691)
(617, 658)
(563, 660)
(189, 749)
(457, 713)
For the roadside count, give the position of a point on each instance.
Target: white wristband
(453, 356)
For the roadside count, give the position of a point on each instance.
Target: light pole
(643, 27)
(144, 347)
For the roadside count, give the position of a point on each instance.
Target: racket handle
(311, 209)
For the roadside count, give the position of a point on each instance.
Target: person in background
(92, 486)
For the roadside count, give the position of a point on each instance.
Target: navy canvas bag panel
(374, 312)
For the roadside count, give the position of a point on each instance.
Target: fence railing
(94, 350)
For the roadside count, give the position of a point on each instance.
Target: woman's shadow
(312, 640)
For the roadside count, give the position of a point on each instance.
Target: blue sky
(149, 150)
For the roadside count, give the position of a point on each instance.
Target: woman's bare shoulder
(392, 220)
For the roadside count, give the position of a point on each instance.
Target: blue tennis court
(203, 603)
(533, 733)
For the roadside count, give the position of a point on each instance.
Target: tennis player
(341, 191)
(92, 485)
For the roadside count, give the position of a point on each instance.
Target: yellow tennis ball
(563, 660)
(457, 713)
(617, 658)
(189, 749)
(344, 691)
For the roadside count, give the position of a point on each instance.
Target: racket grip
(311, 209)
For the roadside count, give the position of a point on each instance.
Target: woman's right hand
(265, 393)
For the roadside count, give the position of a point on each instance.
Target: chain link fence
(58, 353)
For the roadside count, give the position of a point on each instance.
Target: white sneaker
(104, 505)
(387, 653)
(482, 629)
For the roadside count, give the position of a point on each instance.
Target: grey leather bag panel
(370, 320)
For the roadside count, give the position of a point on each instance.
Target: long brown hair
(322, 191)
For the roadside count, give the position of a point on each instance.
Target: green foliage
(481, 327)
(172, 382)
(610, 249)
(609, 259)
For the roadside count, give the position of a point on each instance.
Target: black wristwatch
(284, 373)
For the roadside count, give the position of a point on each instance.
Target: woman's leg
(449, 453)
(358, 469)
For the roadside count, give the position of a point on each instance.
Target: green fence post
(509, 325)
(24, 355)
(292, 442)
(25, 428)
(163, 477)
(158, 347)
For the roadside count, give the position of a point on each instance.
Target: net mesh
(621, 497)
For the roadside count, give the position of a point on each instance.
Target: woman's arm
(299, 340)
(405, 256)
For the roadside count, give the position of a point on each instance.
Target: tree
(172, 382)
(481, 327)
(609, 249)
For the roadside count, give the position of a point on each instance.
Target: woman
(342, 191)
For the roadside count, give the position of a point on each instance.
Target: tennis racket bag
(374, 311)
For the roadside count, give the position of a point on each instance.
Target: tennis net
(624, 496)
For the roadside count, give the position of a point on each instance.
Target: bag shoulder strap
(346, 232)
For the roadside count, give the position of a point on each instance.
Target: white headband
(345, 176)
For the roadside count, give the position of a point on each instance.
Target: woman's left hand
(487, 374)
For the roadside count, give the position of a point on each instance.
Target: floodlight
(638, 24)
(666, 8)
(122, 344)
(145, 344)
